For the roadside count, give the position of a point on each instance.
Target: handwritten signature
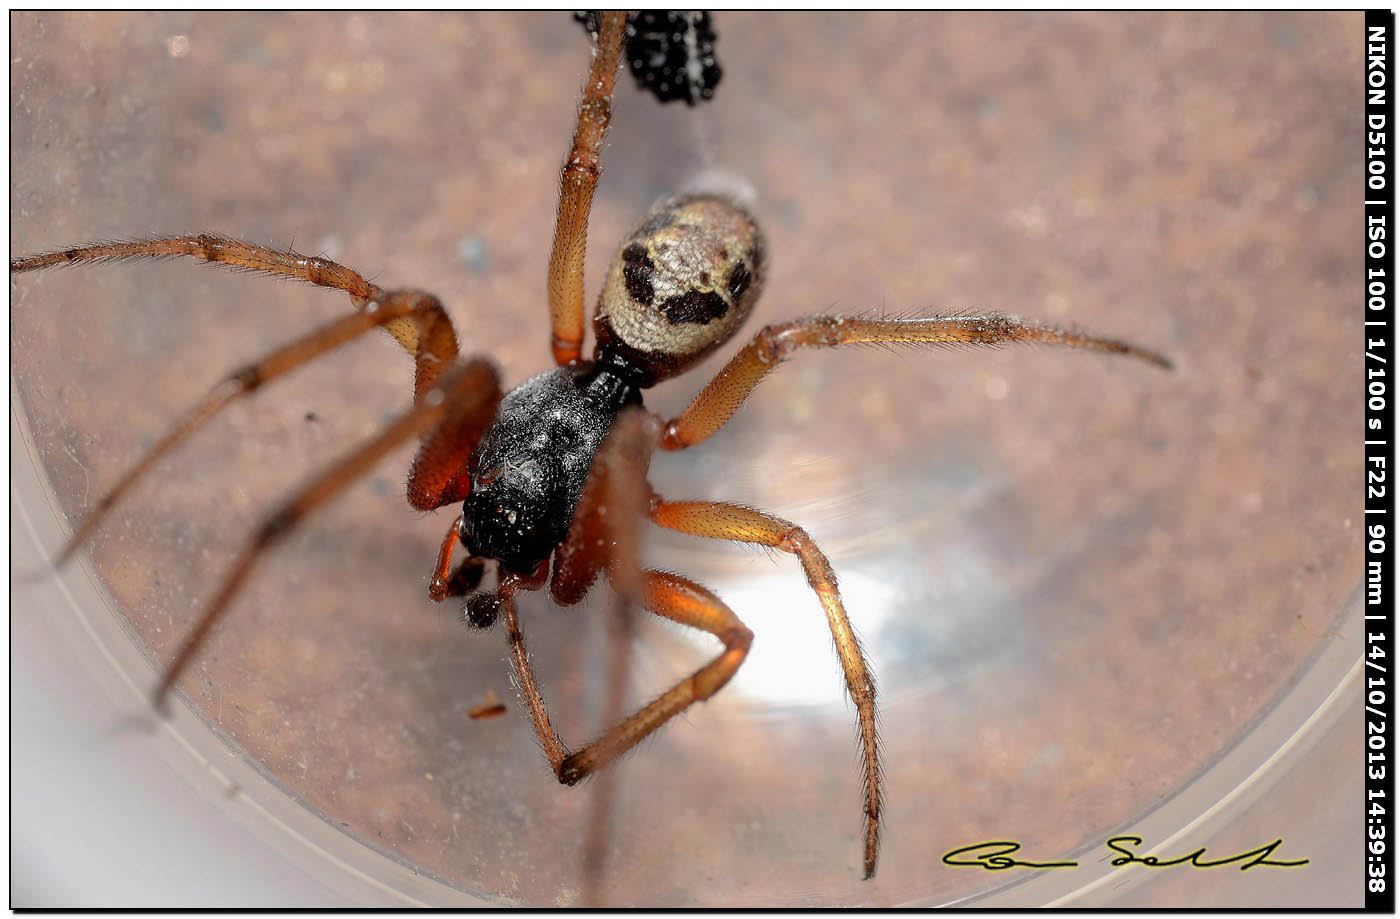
(995, 855)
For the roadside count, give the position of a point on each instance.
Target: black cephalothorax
(530, 465)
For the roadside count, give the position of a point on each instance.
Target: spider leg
(678, 599)
(599, 541)
(417, 309)
(470, 388)
(604, 531)
(622, 631)
(714, 520)
(577, 181)
(605, 534)
(723, 395)
(441, 472)
(669, 595)
(417, 338)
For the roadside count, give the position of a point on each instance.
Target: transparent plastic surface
(1082, 583)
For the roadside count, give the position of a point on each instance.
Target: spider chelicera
(552, 475)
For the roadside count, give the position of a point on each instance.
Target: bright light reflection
(793, 660)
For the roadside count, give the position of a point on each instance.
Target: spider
(538, 469)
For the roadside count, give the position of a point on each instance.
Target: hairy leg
(604, 532)
(465, 389)
(398, 306)
(676, 598)
(441, 470)
(723, 395)
(576, 184)
(714, 520)
(432, 343)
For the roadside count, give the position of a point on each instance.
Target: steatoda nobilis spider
(538, 469)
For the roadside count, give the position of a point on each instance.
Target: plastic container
(1097, 597)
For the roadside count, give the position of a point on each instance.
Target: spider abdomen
(680, 286)
(530, 465)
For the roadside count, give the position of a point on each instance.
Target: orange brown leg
(441, 472)
(432, 344)
(598, 826)
(723, 395)
(669, 595)
(714, 520)
(604, 531)
(604, 534)
(470, 389)
(417, 310)
(577, 182)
